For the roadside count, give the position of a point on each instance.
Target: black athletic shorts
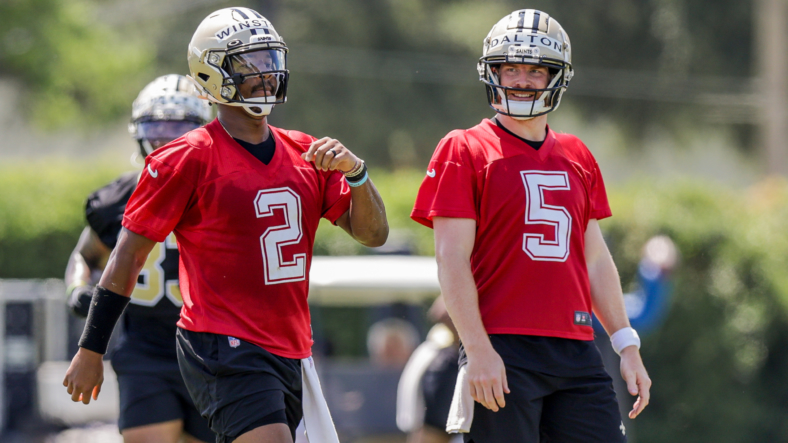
(239, 386)
(574, 404)
(437, 386)
(155, 393)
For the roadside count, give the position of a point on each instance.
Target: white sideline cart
(334, 281)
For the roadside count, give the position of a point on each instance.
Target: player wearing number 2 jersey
(522, 262)
(154, 402)
(244, 200)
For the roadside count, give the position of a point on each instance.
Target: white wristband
(624, 338)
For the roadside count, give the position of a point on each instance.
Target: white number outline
(535, 245)
(276, 269)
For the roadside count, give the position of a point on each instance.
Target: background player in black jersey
(154, 403)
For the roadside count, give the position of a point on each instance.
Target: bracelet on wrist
(357, 177)
(357, 170)
(356, 183)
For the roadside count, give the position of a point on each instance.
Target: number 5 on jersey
(537, 212)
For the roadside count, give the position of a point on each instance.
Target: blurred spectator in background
(646, 306)
(390, 342)
(427, 384)
(154, 402)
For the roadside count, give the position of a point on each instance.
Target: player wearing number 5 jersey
(154, 402)
(522, 262)
(244, 200)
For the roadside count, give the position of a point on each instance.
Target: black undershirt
(531, 143)
(262, 151)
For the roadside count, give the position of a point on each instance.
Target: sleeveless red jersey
(245, 231)
(531, 208)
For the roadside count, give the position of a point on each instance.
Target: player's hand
(85, 376)
(487, 377)
(330, 155)
(636, 377)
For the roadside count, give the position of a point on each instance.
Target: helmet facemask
(153, 134)
(545, 100)
(262, 70)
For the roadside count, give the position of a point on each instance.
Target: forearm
(125, 263)
(367, 215)
(77, 271)
(606, 294)
(462, 300)
(88, 256)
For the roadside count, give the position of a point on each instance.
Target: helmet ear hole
(203, 76)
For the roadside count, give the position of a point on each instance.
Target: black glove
(79, 300)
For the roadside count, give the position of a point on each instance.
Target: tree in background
(391, 76)
(73, 67)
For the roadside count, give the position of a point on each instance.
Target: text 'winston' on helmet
(230, 46)
(531, 37)
(164, 110)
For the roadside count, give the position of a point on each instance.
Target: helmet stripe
(535, 26)
(253, 31)
(521, 23)
(241, 13)
(256, 14)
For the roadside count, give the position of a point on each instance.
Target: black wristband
(105, 310)
(358, 176)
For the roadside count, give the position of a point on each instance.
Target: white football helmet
(165, 109)
(232, 45)
(526, 36)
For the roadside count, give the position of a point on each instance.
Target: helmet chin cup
(520, 110)
(256, 110)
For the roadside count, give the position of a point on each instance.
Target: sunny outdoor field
(682, 103)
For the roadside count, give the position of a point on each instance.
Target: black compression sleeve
(105, 310)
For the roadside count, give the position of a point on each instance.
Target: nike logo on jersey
(431, 173)
(153, 173)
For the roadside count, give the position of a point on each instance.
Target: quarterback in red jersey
(244, 200)
(522, 262)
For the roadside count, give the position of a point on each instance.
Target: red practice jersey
(245, 231)
(531, 209)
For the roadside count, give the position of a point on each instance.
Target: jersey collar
(227, 140)
(542, 153)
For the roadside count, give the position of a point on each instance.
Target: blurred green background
(681, 101)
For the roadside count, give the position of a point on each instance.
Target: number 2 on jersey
(537, 212)
(277, 269)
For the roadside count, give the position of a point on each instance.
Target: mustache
(265, 88)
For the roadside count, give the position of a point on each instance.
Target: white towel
(317, 418)
(461, 411)
(410, 398)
